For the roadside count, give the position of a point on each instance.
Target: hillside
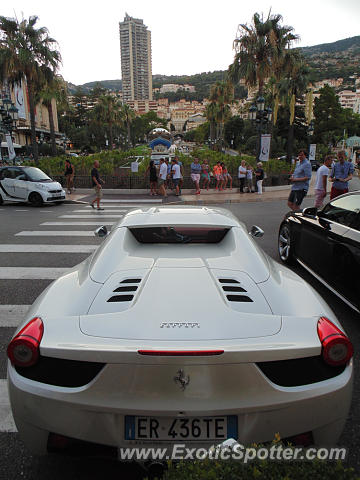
(327, 60)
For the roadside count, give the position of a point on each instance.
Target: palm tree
(291, 90)
(128, 116)
(55, 89)
(27, 51)
(108, 110)
(221, 95)
(260, 50)
(211, 115)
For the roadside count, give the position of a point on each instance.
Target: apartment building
(349, 99)
(135, 49)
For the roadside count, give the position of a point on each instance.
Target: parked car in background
(327, 244)
(28, 184)
(246, 349)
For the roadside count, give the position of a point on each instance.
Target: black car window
(8, 173)
(342, 210)
(18, 172)
(356, 224)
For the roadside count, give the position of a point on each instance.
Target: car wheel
(1, 200)
(284, 245)
(35, 199)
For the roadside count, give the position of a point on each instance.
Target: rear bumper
(96, 412)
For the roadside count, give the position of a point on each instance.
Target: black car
(327, 243)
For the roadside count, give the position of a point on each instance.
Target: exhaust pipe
(155, 469)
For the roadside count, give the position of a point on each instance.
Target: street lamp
(260, 115)
(8, 118)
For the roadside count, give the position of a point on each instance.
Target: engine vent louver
(123, 295)
(228, 286)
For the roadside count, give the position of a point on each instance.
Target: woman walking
(226, 176)
(259, 175)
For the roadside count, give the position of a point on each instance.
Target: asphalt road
(16, 462)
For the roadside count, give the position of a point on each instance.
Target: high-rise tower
(135, 47)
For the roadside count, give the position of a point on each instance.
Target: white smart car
(28, 184)
(179, 329)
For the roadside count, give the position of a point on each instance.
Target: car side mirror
(101, 232)
(310, 212)
(256, 231)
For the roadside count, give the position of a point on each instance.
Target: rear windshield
(179, 234)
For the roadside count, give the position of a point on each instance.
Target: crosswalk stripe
(139, 201)
(76, 223)
(38, 248)
(113, 209)
(54, 233)
(31, 273)
(7, 423)
(90, 217)
(12, 315)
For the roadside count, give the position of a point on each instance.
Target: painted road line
(54, 233)
(90, 217)
(12, 315)
(107, 206)
(7, 423)
(21, 210)
(37, 248)
(145, 200)
(79, 224)
(31, 273)
(113, 210)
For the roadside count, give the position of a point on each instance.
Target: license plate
(57, 194)
(177, 429)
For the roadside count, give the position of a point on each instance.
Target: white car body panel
(16, 190)
(179, 304)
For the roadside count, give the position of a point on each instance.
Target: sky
(188, 36)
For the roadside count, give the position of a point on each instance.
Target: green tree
(27, 51)
(128, 115)
(221, 94)
(328, 117)
(108, 111)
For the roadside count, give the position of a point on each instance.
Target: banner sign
(19, 100)
(10, 146)
(265, 147)
(134, 166)
(312, 151)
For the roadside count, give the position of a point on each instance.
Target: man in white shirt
(162, 177)
(176, 175)
(242, 175)
(321, 181)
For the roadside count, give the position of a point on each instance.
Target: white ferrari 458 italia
(179, 328)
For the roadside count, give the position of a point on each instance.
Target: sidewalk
(188, 196)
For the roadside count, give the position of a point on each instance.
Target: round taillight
(23, 350)
(336, 347)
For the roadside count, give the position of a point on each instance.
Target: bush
(258, 470)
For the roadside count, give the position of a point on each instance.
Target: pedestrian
(176, 175)
(153, 177)
(181, 181)
(249, 178)
(341, 172)
(195, 174)
(300, 180)
(162, 177)
(217, 174)
(226, 176)
(69, 175)
(97, 184)
(259, 175)
(321, 181)
(242, 175)
(168, 183)
(205, 174)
